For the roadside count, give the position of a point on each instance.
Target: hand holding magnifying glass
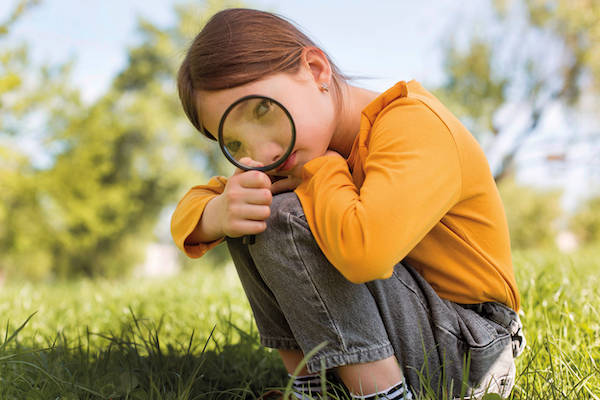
(257, 133)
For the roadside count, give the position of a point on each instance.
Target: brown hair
(238, 46)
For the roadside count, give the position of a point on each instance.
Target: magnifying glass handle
(248, 239)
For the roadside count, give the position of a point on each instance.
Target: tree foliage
(532, 214)
(542, 53)
(111, 166)
(86, 200)
(586, 221)
(31, 100)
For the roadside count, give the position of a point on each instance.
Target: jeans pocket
(491, 358)
(499, 377)
(485, 345)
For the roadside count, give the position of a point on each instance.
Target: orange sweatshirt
(416, 186)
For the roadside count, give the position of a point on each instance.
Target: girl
(382, 238)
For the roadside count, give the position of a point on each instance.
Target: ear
(316, 62)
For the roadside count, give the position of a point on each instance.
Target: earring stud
(324, 88)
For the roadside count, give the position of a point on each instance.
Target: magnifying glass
(260, 129)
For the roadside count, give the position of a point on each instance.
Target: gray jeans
(300, 300)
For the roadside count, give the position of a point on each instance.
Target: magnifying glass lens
(257, 128)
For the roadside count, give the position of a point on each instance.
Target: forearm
(209, 227)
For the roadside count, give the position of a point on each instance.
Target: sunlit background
(95, 149)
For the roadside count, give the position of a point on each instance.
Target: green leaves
(473, 89)
(88, 200)
(531, 214)
(491, 396)
(534, 56)
(586, 221)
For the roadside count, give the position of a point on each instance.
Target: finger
(248, 162)
(258, 196)
(254, 179)
(284, 185)
(247, 227)
(253, 212)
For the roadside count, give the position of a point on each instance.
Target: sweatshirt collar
(399, 90)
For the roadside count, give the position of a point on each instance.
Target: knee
(284, 204)
(283, 207)
(270, 244)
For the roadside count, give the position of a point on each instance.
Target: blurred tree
(134, 152)
(547, 52)
(586, 221)
(532, 214)
(16, 13)
(31, 101)
(115, 164)
(23, 224)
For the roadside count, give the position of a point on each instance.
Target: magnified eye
(263, 107)
(234, 146)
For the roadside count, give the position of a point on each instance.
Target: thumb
(285, 185)
(248, 162)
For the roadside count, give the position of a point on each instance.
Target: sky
(385, 40)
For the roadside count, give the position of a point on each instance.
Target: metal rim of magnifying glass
(267, 167)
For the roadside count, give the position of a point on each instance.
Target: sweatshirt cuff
(184, 222)
(196, 250)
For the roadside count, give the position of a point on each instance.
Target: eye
(262, 108)
(234, 146)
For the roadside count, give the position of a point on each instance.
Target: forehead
(212, 104)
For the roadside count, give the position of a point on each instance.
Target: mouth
(288, 164)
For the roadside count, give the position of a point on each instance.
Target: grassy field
(192, 336)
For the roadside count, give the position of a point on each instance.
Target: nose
(268, 152)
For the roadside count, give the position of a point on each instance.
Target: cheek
(313, 136)
(316, 125)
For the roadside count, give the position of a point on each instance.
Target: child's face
(313, 112)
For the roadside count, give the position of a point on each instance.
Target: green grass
(193, 337)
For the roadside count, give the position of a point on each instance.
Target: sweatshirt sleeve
(412, 178)
(188, 212)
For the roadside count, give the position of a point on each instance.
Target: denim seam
(331, 321)
(336, 359)
(500, 321)
(462, 340)
(360, 350)
(485, 325)
(412, 290)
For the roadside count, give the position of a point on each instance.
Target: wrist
(208, 228)
(214, 221)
